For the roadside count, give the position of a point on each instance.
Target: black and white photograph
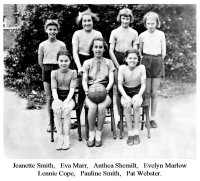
(99, 91)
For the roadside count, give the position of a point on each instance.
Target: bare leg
(59, 126)
(136, 120)
(102, 112)
(47, 89)
(92, 111)
(154, 89)
(148, 91)
(128, 117)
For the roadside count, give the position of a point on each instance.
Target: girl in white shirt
(81, 43)
(153, 51)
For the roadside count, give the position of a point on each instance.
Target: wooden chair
(144, 119)
(110, 113)
(77, 109)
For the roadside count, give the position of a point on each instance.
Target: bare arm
(111, 81)
(140, 49)
(112, 56)
(54, 94)
(120, 84)
(163, 47)
(40, 60)
(143, 87)
(76, 57)
(121, 90)
(84, 82)
(70, 95)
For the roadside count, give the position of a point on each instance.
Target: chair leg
(86, 124)
(121, 122)
(52, 124)
(113, 123)
(142, 123)
(79, 123)
(147, 121)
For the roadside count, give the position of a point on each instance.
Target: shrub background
(177, 21)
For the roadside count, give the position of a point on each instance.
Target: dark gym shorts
(46, 72)
(120, 57)
(132, 91)
(154, 65)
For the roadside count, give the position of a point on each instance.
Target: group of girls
(136, 65)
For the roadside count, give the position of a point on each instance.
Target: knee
(101, 110)
(127, 110)
(147, 95)
(48, 97)
(154, 95)
(136, 107)
(92, 109)
(57, 113)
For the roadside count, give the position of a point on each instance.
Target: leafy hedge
(177, 21)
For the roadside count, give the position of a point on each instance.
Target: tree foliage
(177, 21)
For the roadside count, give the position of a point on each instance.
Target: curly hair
(133, 51)
(86, 12)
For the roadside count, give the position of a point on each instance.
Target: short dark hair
(64, 52)
(133, 51)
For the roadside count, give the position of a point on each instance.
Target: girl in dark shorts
(63, 84)
(153, 51)
(132, 84)
(121, 39)
(47, 58)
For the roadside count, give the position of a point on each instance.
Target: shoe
(49, 129)
(98, 143)
(90, 143)
(59, 142)
(74, 125)
(66, 143)
(153, 124)
(130, 140)
(136, 139)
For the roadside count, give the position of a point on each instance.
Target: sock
(91, 135)
(98, 135)
(130, 133)
(136, 132)
(153, 118)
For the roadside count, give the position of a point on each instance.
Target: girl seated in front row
(63, 84)
(132, 84)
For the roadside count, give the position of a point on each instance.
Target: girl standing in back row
(81, 43)
(152, 48)
(122, 39)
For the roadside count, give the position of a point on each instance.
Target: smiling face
(125, 21)
(87, 22)
(98, 48)
(151, 24)
(52, 31)
(132, 60)
(63, 62)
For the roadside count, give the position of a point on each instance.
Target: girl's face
(151, 24)
(125, 21)
(98, 48)
(132, 60)
(52, 31)
(87, 22)
(63, 62)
